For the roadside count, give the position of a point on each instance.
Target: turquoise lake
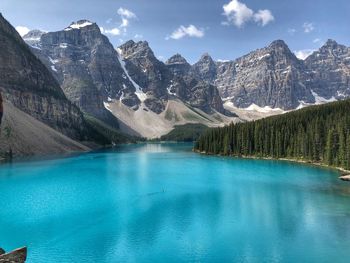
(163, 203)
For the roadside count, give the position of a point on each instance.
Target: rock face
(161, 81)
(274, 77)
(91, 72)
(329, 69)
(270, 76)
(148, 72)
(15, 256)
(87, 67)
(27, 84)
(192, 89)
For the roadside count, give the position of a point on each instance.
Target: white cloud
(316, 40)
(292, 31)
(125, 15)
(113, 31)
(263, 17)
(238, 13)
(22, 30)
(304, 53)
(123, 12)
(125, 22)
(190, 31)
(308, 27)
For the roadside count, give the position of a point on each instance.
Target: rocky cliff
(87, 67)
(274, 77)
(329, 70)
(28, 84)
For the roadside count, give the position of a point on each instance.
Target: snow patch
(321, 100)
(139, 93)
(53, 68)
(341, 94)
(265, 109)
(265, 56)
(53, 61)
(78, 25)
(63, 45)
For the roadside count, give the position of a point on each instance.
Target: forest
(319, 134)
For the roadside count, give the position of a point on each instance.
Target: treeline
(189, 132)
(317, 134)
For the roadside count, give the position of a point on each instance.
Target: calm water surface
(163, 203)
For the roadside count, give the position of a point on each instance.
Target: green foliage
(316, 134)
(105, 134)
(185, 133)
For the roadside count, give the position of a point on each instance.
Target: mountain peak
(331, 43)
(278, 43)
(176, 59)
(33, 34)
(206, 57)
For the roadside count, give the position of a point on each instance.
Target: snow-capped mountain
(94, 74)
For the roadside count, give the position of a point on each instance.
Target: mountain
(94, 75)
(163, 81)
(271, 76)
(186, 85)
(148, 72)
(330, 70)
(114, 85)
(87, 67)
(28, 85)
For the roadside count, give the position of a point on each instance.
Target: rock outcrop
(190, 88)
(270, 76)
(329, 70)
(15, 256)
(28, 85)
(87, 67)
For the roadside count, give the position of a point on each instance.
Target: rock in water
(15, 256)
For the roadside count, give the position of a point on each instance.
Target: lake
(163, 203)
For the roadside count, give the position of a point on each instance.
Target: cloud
(190, 31)
(238, 13)
(308, 27)
(113, 31)
(304, 53)
(263, 17)
(22, 30)
(126, 15)
(123, 12)
(316, 40)
(292, 31)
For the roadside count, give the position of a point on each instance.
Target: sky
(226, 29)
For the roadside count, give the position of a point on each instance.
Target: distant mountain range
(77, 72)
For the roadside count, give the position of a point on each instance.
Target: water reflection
(148, 202)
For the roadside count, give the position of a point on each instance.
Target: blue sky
(226, 29)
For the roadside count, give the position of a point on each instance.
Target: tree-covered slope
(185, 133)
(316, 134)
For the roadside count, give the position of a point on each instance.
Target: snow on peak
(139, 93)
(78, 25)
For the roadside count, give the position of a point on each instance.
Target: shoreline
(344, 174)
